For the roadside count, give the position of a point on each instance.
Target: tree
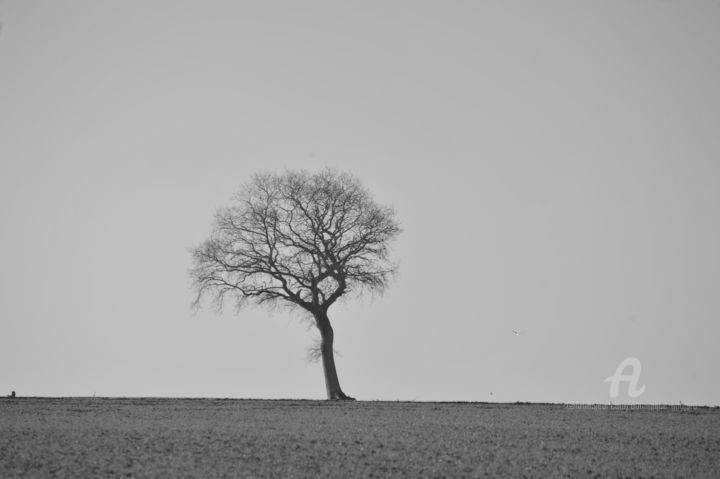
(298, 239)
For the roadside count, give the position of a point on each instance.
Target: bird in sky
(516, 332)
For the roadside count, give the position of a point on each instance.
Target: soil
(94, 437)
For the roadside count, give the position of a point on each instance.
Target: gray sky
(555, 167)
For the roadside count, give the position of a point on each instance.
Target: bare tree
(299, 239)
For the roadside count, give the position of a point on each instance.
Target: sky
(555, 167)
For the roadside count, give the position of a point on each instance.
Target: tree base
(340, 396)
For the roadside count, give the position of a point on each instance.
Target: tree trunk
(332, 384)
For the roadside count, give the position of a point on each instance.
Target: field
(84, 437)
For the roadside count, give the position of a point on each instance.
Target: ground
(85, 437)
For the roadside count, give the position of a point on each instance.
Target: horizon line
(568, 405)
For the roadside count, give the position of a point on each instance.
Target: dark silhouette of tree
(298, 239)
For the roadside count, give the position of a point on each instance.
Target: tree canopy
(303, 238)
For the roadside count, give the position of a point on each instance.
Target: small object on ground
(12, 394)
